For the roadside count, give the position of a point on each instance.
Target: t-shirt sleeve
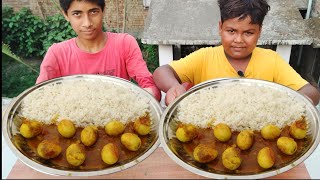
(136, 66)
(49, 68)
(187, 67)
(286, 75)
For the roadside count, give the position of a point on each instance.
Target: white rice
(240, 107)
(84, 103)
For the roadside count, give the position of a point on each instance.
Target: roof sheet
(195, 22)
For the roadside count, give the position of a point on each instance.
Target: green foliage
(22, 31)
(16, 77)
(58, 29)
(29, 35)
(7, 51)
(150, 55)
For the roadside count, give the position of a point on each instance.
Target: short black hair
(255, 9)
(65, 4)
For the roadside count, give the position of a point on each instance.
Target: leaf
(6, 50)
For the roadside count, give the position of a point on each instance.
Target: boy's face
(239, 37)
(85, 18)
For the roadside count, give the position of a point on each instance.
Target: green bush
(150, 55)
(16, 77)
(22, 31)
(30, 37)
(58, 29)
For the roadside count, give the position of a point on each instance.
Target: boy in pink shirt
(94, 51)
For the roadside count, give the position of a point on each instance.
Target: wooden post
(284, 51)
(165, 57)
(165, 54)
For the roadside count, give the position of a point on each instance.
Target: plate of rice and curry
(239, 128)
(82, 125)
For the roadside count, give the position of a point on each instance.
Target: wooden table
(157, 165)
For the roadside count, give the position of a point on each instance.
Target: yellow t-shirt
(211, 62)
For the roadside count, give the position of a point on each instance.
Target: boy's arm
(165, 77)
(49, 67)
(168, 81)
(287, 76)
(137, 68)
(310, 92)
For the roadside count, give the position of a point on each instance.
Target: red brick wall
(134, 18)
(136, 13)
(16, 4)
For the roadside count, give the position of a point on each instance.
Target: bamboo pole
(40, 9)
(118, 28)
(124, 16)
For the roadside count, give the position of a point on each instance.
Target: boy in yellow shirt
(240, 28)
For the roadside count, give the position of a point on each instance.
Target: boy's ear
(65, 16)
(220, 27)
(104, 11)
(260, 29)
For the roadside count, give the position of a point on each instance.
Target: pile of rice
(240, 107)
(84, 103)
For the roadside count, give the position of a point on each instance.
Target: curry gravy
(93, 159)
(249, 163)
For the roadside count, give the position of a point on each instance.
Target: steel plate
(168, 122)
(9, 129)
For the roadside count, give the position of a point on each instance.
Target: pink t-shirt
(120, 57)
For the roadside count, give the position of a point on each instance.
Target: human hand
(154, 91)
(174, 92)
(187, 85)
(307, 97)
(149, 91)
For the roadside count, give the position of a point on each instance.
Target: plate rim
(58, 172)
(265, 174)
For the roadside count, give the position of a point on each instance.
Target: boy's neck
(239, 64)
(92, 45)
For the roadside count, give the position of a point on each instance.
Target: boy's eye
(249, 33)
(230, 31)
(94, 12)
(76, 14)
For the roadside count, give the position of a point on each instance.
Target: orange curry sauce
(93, 159)
(249, 163)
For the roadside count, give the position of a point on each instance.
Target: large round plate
(167, 132)
(9, 128)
